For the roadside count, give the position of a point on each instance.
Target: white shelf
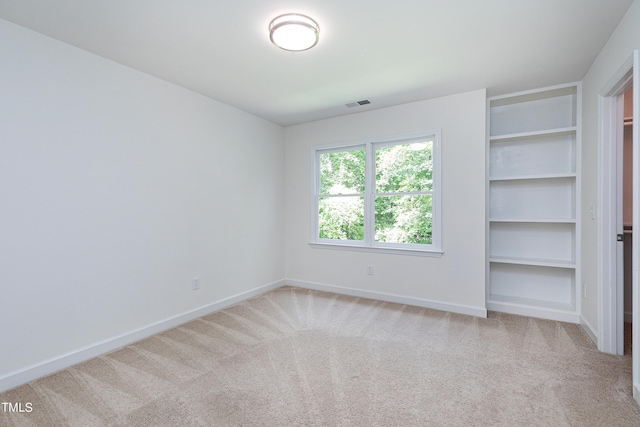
(533, 112)
(533, 154)
(549, 244)
(536, 220)
(535, 262)
(533, 282)
(533, 220)
(529, 177)
(534, 308)
(530, 135)
(532, 302)
(539, 198)
(534, 95)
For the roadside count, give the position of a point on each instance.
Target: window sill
(392, 251)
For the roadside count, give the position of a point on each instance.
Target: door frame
(611, 111)
(611, 134)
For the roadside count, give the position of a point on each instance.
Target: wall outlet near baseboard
(584, 290)
(195, 283)
(370, 270)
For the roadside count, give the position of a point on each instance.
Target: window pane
(342, 172)
(404, 167)
(341, 218)
(404, 219)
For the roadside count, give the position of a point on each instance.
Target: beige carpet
(300, 357)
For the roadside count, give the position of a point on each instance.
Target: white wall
(457, 279)
(618, 49)
(116, 188)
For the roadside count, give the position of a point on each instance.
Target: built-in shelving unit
(533, 199)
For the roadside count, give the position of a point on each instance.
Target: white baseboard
(589, 330)
(50, 366)
(382, 296)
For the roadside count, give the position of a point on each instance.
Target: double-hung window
(379, 195)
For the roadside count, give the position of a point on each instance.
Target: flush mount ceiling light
(294, 32)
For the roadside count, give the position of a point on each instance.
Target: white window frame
(369, 244)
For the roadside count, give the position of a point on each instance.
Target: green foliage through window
(342, 172)
(403, 219)
(342, 183)
(401, 200)
(401, 215)
(341, 218)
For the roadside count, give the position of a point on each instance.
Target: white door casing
(611, 309)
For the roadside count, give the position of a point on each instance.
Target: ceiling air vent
(358, 103)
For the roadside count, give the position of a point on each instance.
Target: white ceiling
(390, 52)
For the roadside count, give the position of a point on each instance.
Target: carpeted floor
(299, 357)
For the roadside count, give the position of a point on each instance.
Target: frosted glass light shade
(294, 32)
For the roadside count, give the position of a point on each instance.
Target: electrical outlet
(195, 283)
(370, 270)
(584, 290)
